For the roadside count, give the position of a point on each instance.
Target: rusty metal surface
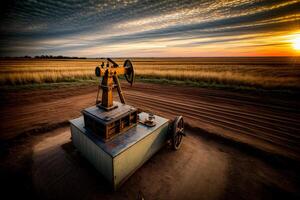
(118, 86)
(112, 115)
(109, 74)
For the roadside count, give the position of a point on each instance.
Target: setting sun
(296, 43)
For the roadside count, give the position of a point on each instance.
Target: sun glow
(296, 42)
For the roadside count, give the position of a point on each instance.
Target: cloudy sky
(144, 28)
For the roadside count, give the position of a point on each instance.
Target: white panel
(99, 159)
(126, 163)
(119, 158)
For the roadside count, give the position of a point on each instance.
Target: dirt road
(268, 123)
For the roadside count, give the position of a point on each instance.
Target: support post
(117, 82)
(107, 95)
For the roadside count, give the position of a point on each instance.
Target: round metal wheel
(178, 132)
(129, 75)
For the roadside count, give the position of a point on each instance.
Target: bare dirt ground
(268, 123)
(201, 169)
(47, 166)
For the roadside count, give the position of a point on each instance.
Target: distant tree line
(58, 57)
(45, 57)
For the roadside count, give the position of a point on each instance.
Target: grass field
(265, 73)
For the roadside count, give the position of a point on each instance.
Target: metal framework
(110, 81)
(111, 118)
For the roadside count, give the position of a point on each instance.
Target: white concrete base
(120, 157)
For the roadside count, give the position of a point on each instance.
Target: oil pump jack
(113, 136)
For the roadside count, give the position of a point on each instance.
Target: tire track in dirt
(225, 96)
(223, 112)
(273, 124)
(233, 125)
(268, 123)
(229, 108)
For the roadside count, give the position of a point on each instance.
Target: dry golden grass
(254, 72)
(41, 71)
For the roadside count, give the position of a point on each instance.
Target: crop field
(267, 73)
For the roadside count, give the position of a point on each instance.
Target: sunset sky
(137, 28)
